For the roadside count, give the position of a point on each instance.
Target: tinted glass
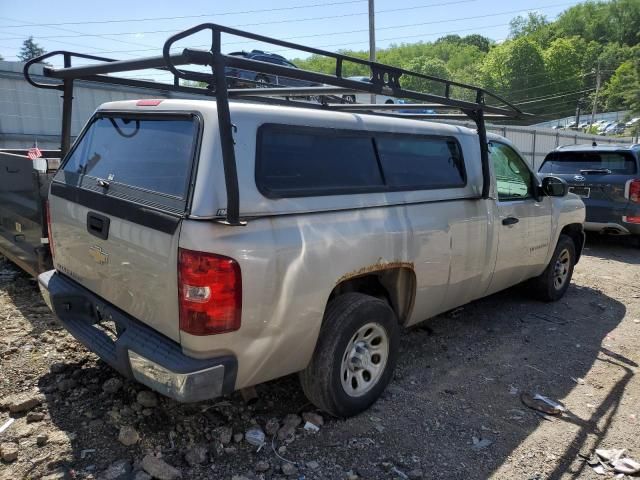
(513, 177)
(304, 161)
(415, 162)
(277, 61)
(152, 154)
(575, 162)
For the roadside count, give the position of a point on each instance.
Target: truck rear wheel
(355, 355)
(552, 284)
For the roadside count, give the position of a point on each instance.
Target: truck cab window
(513, 177)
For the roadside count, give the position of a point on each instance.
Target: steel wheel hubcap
(364, 359)
(561, 269)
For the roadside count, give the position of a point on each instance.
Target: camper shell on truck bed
(238, 240)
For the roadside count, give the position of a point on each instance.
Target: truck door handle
(510, 221)
(98, 225)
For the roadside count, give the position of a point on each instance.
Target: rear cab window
(294, 161)
(619, 163)
(147, 159)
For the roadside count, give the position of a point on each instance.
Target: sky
(123, 29)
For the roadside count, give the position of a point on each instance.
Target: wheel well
(394, 285)
(576, 232)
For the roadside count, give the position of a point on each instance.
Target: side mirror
(554, 187)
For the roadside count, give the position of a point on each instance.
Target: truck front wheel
(355, 355)
(552, 284)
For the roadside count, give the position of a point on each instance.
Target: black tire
(546, 287)
(322, 380)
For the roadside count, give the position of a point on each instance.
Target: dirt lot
(460, 376)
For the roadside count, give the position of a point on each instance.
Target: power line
(128, 52)
(323, 35)
(582, 75)
(307, 19)
(508, 12)
(327, 34)
(553, 96)
(96, 50)
(82, 34)
(182, 17)
(418, 24)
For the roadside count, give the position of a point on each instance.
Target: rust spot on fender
(376, 267)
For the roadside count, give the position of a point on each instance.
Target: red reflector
(634, 190)
(210, 293)
(148, 102)
(48, 212)
(630, 219)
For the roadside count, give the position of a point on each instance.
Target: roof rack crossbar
(331, 89)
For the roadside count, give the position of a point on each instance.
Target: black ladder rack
(384, 80)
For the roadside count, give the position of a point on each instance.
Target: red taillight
(631, 219)
(210, 292)
(47, 208)
(634, 190)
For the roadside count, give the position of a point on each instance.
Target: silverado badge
(98, 255)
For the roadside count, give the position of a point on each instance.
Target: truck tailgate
(116, 207)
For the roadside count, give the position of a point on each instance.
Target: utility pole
(372, 38)
(578, 115)
(595, 100)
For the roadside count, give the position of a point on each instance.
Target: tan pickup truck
(352, 226)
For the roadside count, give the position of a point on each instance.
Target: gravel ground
(453, 409)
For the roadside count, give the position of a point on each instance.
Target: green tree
(522, 26)
(515, 69)
(482, 43)
(453, 38)
(541, 66)
(426, 66)
(30, 49)
(623, 89)
(563, 62)
(614, 21)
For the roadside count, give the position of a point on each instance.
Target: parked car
(633, 122)
(613, 128)
(356, 226)
(607, 178)
(602, 128)
(617, 129)
(245, 78)
(420, 111)
(366, 97)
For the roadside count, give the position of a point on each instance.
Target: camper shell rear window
(139, 157)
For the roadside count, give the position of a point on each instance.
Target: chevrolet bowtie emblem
(99, 255)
